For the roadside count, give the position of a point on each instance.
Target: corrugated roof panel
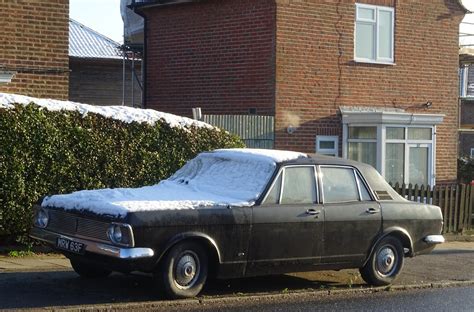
(87, 43)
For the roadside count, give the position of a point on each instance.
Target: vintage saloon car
(242, 212)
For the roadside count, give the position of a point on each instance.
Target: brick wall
(315, 71)
(99, 82)
(215, 54)
(34, 43)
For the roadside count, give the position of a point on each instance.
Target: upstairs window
(374, 34)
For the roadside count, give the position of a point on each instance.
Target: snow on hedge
(122, 113)
(225, 177)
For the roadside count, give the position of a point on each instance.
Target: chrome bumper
(94, 247)
(434, 239)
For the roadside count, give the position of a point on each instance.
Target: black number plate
(69, 245)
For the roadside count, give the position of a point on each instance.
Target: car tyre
(385, 262)
(183, 271)
(89, 271)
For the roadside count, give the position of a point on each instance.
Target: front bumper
(94, 247)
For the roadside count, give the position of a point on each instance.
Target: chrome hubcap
(386, 261)
(187, 270)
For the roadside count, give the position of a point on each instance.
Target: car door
(352, 219)
(287, 227)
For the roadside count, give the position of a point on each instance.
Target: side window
(274, 194)
(364, 192)
(299, 185)
(339, 185)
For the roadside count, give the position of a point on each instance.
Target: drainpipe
(144, 53)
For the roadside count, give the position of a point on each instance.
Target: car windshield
(242, 178)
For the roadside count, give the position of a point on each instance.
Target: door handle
(372, 211)
(312, 212)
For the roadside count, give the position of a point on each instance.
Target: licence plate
(69, 245)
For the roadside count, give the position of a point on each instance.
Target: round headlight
(115, 233)
(42, 218)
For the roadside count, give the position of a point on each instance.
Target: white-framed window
(362, 144)
(408, 154)
(400, 145)
(374, 34)
(327, 145)
(472, 152)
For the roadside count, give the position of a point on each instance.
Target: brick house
(34, 47)
(97, 74)
(371, 80)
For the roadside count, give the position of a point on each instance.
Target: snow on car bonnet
(232, 177)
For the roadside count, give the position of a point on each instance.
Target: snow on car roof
(122, 113)
(225, 177)
(270, 155)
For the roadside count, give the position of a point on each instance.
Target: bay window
(401, 146)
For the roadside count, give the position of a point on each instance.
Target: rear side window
(364, 192)
(339, 185)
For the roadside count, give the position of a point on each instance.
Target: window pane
(419, 133)
(274, 194)
(395, 163)
(365, 152)
(418, 166)
(385, 34)
(363, 190)
(365, 38)
(326, 144)
(395, 133)
(363, 133)
(339, 185)
(366, 13)
(299, 186)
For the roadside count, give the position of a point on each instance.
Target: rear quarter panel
(419, 220)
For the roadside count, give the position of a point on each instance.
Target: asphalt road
(64, 288)
(444, 299)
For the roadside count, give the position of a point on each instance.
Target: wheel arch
(399, 233)
(204, 239)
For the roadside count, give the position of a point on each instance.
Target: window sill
(374, 62)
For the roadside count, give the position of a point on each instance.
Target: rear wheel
(183, 271)
(385, 263)
(88, 271)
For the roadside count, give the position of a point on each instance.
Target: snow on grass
(122, 113)
(223, 178)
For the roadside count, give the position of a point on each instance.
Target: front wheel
(183, 271)
(385, 262)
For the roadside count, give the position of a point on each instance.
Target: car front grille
(69, 224)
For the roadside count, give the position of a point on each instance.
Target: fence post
(428, 195)
(461, 208)
(446, 211)
(471, 199)
(435, 198)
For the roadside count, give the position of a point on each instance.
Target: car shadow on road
(64, 288)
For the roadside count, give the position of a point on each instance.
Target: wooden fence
(455, 200)
(255, 131)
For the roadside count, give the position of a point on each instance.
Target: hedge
(49, 152)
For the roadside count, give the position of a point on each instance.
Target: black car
(242, 212)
